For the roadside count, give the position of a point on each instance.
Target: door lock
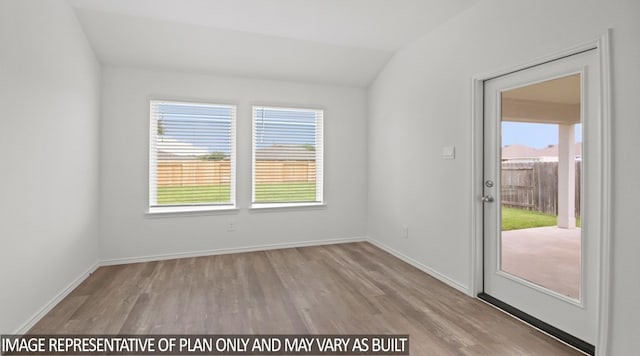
(488, 183)
(487, 198)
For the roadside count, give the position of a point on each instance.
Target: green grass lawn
(194, 195)
(515, 219)
(284, 192)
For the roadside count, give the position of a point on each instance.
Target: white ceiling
(344, 42)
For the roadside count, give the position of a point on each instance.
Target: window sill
(189, 210)
(292, 206)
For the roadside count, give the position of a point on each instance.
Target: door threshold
(563, 336)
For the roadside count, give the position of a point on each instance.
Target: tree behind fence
(534, 186)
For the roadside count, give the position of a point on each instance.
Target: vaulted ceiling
(344, 42)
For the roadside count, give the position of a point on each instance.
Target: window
(191, 156)
(287, 157)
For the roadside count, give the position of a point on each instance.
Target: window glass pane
(540, 184)
(192, 154)
(287, 155)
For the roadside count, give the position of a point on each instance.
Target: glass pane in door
(540, 185)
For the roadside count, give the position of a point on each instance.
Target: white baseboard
(426, 269)
(221, 251)
(53, 302)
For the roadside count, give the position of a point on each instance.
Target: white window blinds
(287, 156)
(192, 154)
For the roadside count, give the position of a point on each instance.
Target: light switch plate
(448, 152)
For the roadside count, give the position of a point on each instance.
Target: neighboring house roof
(518, 151)
(285, 152)
(171, 149)
(552, 150)
(168, 156)
(515, 151)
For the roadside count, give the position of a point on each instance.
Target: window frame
(197, 208)
(319, 149)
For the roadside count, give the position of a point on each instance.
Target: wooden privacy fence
(534, 186)
(274, 171)
(191, 173)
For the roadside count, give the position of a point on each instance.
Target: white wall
(422, 101)
(49, 110)
(125, 230)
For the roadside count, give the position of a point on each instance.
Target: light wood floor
(338, 289)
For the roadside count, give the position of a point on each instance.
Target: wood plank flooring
(348, 288)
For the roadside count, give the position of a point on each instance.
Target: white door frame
(477, 109)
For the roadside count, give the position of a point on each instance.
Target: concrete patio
(547, 256)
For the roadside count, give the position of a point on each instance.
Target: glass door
(542, 193)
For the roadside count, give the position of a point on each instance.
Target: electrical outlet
(448, 152)
(231, 226)
(405, 232)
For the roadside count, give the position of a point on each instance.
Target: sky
(275, 126)
(194, 128)
(533, 135)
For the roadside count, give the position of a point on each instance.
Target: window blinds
(192, 154)
(287, 155)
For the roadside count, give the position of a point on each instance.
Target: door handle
(487, 199)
